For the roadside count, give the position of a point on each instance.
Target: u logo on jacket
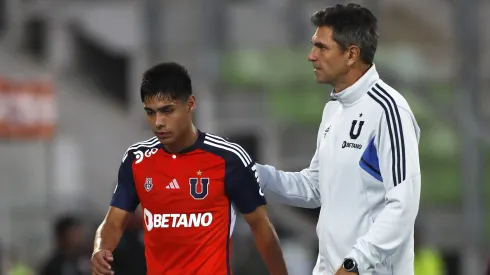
(359, 129)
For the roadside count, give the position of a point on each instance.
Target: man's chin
(320, 80)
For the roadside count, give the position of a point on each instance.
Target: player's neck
(187, 140)
(351, 77)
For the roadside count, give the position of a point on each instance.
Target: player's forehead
(322, 35)
(156, 102)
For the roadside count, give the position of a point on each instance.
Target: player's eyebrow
(165, 108)
(170, 106)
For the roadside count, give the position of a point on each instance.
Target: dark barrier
(3, 21)
(34, 41)
(107, 69)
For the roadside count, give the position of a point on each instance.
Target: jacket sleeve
(397, 148)
(298, 189)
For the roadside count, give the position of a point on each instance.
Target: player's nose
(160, 121)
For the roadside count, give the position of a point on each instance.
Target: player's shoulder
(387, 98)
(232, 153)
(141, 146)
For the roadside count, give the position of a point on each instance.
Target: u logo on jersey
(359, 129)
(194, 182)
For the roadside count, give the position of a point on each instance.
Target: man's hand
(106, 239)
(342, 271)
(100, 262)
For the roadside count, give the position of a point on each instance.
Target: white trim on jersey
(147, 143)
(254, 169)
(221, 140)
(232, 221)
(232, 147)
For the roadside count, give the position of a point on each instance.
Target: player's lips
(163, 134)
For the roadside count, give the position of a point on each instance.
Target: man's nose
(312, 55)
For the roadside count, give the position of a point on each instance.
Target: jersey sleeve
(242, 186)
(125, 196)
(398, 153)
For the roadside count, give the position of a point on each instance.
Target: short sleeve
(242, 186)
(125, 196)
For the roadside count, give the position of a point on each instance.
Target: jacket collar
(356, 91)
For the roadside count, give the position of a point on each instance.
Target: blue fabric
(369, 161)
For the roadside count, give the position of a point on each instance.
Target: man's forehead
(322, 34)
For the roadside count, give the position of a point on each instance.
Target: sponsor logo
(346, 144)
(176, 220)
(140, 155)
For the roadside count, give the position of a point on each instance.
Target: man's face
(74, 238)
(169, 118)
(328, 59)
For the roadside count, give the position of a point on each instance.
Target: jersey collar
(196, 145)
(352, 94)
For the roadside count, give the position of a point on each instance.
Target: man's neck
(187, 139)
(350, 78)
(67, 252)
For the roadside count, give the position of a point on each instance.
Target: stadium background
(69, 108)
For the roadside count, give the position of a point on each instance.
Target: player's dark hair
(351, 24)
(63, 224)
(167, 80)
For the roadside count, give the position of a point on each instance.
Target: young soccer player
(189, 184)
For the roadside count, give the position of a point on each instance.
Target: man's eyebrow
(318, 44)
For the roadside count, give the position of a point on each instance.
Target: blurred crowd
(72, 247)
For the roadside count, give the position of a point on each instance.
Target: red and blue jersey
(188, 201)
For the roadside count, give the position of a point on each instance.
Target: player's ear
(191, 103)
(353, 54)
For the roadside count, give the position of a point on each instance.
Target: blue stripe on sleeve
(369, 161)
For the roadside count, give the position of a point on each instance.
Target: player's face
(168, 118)
(328, 60)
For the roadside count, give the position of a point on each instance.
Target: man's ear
(191, 103)
(354, 54)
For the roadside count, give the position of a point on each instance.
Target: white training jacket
(365, 175)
